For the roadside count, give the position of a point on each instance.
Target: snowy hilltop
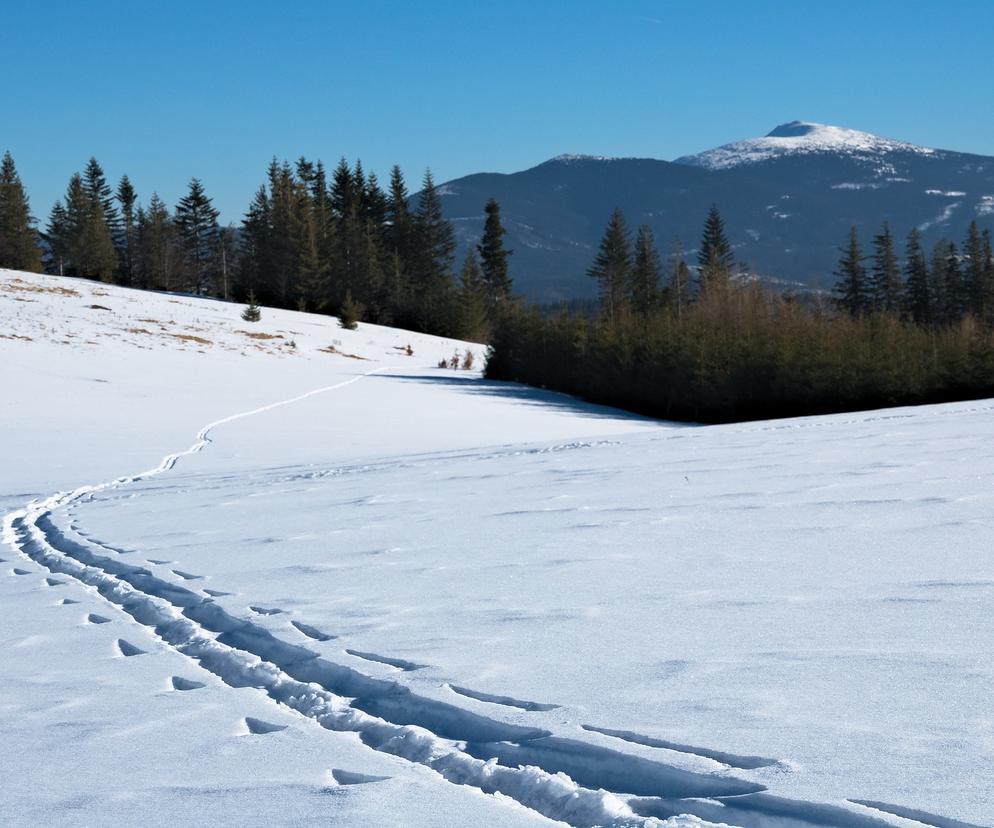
(801, 138)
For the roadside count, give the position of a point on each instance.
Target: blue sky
(215, 89)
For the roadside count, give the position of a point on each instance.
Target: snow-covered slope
(803, 138)
(345, 584)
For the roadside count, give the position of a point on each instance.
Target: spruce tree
(612, 266)
(851, 288)
(714, 258)
(96, 187)
(57, 237)
(18, 237)
(678, 289)
(918, 295)
(435, 239)
(473, 299)
(643, 290)
(158, 254)
(885, 282)
(197, 231)
(493, 256)
(954, 287)
(126, 242)
(976, 288)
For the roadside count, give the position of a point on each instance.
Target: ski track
(576, 782)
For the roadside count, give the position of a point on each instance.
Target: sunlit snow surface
(334, 609)
(802, 138)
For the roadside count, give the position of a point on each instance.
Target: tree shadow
(525, 395)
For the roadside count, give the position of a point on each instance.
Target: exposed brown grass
(19, 285)
(16, 336)
(331, 349)
(191, 338)
(259, 335)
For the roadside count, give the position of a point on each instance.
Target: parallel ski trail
(456, 743)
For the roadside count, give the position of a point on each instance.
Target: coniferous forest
(338, 244)
(696, 340)
(702, 344)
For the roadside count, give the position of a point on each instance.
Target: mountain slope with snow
(247, 582)
(803, 138)
(788, 200)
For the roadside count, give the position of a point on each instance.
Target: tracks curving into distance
(571, 780)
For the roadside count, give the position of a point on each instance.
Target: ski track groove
(462, 747)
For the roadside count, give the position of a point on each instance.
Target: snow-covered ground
(377, 592)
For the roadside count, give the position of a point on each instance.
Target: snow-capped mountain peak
(801, 138)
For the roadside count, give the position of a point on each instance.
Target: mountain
(788, 200)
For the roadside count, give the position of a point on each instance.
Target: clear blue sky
(171, 90)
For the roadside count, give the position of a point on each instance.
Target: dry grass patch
(191, 338)
(15, 285)
(16, 336)
(259, 335)
(139, 331)
(331, 349)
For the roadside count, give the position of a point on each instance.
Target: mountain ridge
(788, 199)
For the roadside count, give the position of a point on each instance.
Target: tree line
(336, 244)
(698, 342)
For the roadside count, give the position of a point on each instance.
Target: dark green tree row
(325, 245)
(342, 245)
(940, 289)
(723, 350)
(631, 277)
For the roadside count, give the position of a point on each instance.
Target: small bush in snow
(252, 312)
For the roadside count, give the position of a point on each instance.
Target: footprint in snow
(66, 601)
(265, 610)
(54, 582)
(158, 562)
(187, 576)
(312, 632)
(216, 593)
(128, 649)
(258, 726)
(17, 571)
(93, 618)
(180, 683)
(344, 777)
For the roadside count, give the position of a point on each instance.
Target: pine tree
(954, 287)
(435, 239)
(158, 256)
(197, 231)
(714, 257)
(851, 288)
(493, 256)
(252, 313)
(937, 282)
(678, 289)
(96, 187)
(18, 237)
(988, 256)
(86, 243)
(351, 313)
(253, 262)
(57, 237)
(976, 288)
(126, 242)
(612, 266)
(473, 297)
(643, 292)
(919, 299)
(885, 282)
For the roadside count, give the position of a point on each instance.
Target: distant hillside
(788, 200)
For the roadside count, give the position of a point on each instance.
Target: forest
(700, 340)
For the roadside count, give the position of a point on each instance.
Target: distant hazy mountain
(788, 200)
